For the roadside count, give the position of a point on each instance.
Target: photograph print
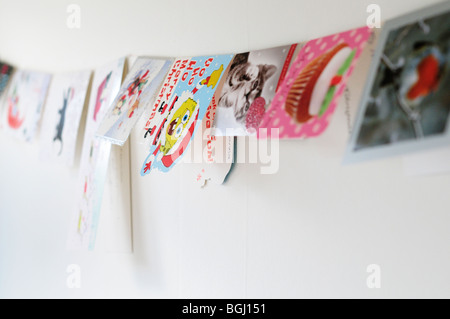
(248, 89)
(406, 103)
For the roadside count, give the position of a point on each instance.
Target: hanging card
(24, 102)
(304, 103)
(179, 109)
(94, 158)
(406, 101)
(139, 87)
(62, 114)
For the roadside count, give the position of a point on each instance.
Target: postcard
(24, 103)
(5, 74)
(136, 94)
(94, 158)
(179, 109)
(6, 71)
(62, 114)
(305, 102)
(406, 102)
(248, 88)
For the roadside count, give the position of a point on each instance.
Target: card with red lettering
(136, 93)
(179, 109)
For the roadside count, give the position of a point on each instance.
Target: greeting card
(406, 102)
(24, 102)
(94, 158)
(248, 88)
(62, 114)
(179, 109)
(137, 91)
(305, 102)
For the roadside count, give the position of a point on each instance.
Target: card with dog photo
(248, 89)
(406, 101)
(304, 103)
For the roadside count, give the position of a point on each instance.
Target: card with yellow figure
(179, 108)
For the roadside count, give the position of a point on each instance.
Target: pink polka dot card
(306, 100)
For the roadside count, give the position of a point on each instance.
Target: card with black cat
(62, 114)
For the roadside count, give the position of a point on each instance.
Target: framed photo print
(405, 105)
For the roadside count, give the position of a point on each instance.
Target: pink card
(305, 102)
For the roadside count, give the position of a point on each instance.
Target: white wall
(310, 230)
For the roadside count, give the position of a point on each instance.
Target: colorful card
(141, 84)
(5, 74)
(63, 109)
(179, 108)
(304, 104)
(24, 101)
(248, 88)
(94, 158)
(406, 101)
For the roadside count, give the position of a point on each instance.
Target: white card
(62, 116)
(94, 158)
(23, 103)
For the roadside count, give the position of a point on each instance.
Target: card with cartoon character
(137, 91)
(248, 87)
(62, 114)
(23, 103)
(304, 103)
(179, 109)
(94, 157)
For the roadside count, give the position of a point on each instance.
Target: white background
(310, 230)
